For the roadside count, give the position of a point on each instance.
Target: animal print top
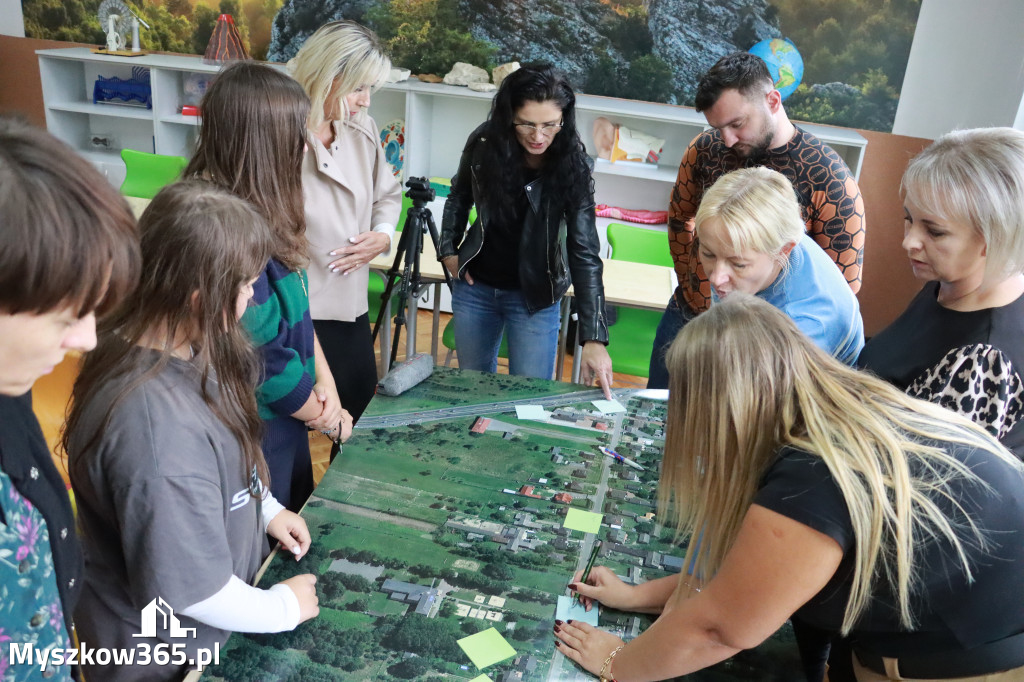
(831, 201)
(969, 362)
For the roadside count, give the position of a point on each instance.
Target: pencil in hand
(586, 571)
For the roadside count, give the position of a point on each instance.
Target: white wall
(12, 22)
(966, 68)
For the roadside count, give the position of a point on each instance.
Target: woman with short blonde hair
(352, 199)
(752, 239)
(825, 495)
(960, 342)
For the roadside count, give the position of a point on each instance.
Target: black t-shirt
(968, 362)
(497, 264)
(950, 612)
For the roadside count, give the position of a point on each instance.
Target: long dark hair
(565, 172)
(200, 244)
(251, 143)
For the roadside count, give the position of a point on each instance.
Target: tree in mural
(174, 25)
(428, 36)
(70, 20)
(855, 56)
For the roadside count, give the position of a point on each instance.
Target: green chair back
(638, 245)
(631, 338)
(148, 173)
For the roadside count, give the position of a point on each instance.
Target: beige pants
(892, 669)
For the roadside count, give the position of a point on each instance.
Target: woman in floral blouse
(68, 251)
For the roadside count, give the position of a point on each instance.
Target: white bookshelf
(438, 119)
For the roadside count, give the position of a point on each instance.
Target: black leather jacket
(557, 240)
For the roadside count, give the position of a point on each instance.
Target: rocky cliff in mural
(690, 35)
(855, 52)
(595, 42)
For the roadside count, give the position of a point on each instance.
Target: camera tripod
(407, 260)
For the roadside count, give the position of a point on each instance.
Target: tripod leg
(400, 252)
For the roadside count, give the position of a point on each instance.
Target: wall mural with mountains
(854, 52)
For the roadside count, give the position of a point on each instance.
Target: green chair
(148, 173)
(631, 338)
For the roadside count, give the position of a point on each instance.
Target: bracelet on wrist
(692, 587)
(606, 668)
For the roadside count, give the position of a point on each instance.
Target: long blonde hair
(745, 383)
(342, 55)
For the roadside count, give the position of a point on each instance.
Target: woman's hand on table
(289, 529)
(602, 586)
(304, 587)
(451, 264)
(360, 250)
(596, 366)
(585, 644)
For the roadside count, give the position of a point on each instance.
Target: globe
(784, 63)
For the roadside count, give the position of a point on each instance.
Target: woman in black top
(528, 174)
(824, 495)
(960, 343)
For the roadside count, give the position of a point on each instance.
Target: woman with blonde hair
(752, 239)
(352, 199)
(960, 342)
(825, 495)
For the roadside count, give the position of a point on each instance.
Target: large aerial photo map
(452, 522)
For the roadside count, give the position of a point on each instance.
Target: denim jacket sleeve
(585, 265)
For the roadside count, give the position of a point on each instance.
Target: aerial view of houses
(435, 527)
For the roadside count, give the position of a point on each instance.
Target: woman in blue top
(752, 239)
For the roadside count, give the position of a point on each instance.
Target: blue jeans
(482, 313)
(671, 323)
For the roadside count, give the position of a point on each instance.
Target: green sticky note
(481, 678)
(577, 519)
(486, 648)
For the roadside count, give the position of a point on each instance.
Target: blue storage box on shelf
(134, 91)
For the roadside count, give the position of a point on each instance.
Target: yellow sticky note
(577, 519)
(486, 648)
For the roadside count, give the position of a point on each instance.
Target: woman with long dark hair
(163, 444)
(251, 143)
(528, 174)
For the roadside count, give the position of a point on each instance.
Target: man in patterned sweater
(749, 127)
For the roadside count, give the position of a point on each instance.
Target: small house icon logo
(158, 608)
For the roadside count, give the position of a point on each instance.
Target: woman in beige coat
(352, 199)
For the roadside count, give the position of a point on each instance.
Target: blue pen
(619, 458)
